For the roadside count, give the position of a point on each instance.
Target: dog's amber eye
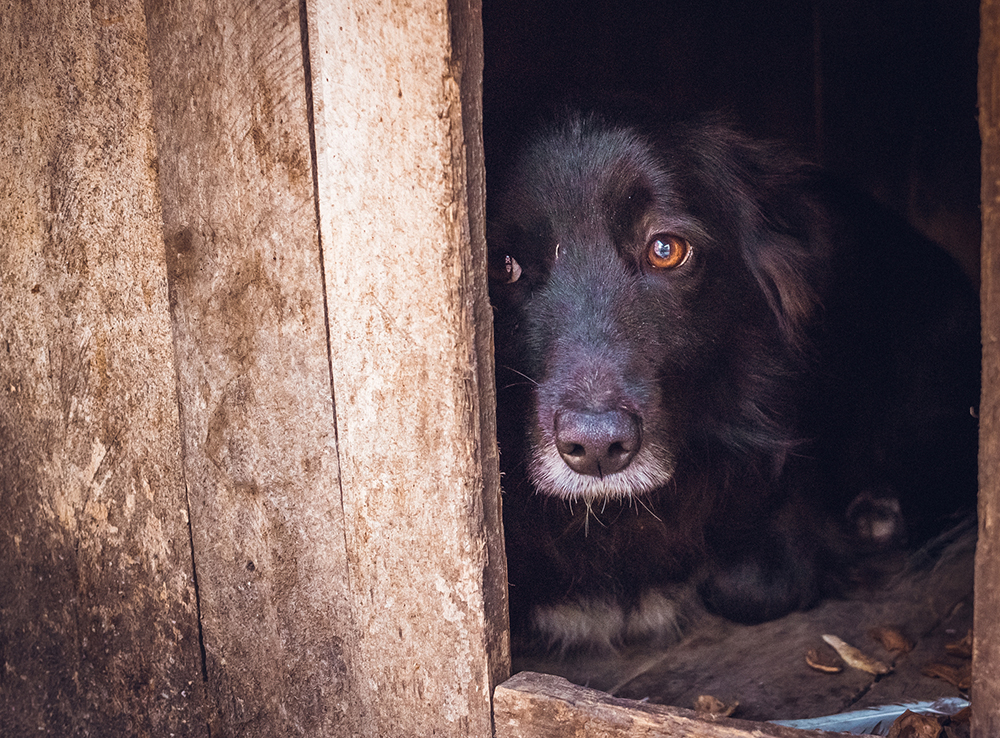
(665, 251)
(512, 270)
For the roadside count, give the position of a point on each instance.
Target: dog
(721, 379)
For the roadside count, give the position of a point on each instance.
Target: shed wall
(246, 297)
(400, 223)
(986, 649)
(98, 614)
(192, 550)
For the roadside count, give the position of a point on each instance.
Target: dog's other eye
(512, 270)
(666, 251)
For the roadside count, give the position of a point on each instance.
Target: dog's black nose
(597, 443)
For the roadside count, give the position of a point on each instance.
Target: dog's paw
(876, 521)
(762, 584)
(604, 625)
(582, 624)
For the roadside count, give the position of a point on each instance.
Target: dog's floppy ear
(785, 267)
(773, 212)
(783, 229)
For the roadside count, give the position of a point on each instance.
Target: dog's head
(655, 297)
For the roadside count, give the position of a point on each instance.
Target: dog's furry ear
(785, 235)
(782, 229)
(784, 267)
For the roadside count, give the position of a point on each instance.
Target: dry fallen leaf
(856, 658)
(714, 706)
(960, 677)
(913, 725)
(962, 648)
(892, 639)
(825, 659)
(962, 716)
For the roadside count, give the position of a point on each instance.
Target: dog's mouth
(569, 474)
(597, 444)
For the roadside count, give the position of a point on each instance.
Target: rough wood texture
(530, 705)
(467, 50)
(246, 293)
(986, 653)
(98, 622)
(420, 500)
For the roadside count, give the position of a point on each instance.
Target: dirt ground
(928, 599)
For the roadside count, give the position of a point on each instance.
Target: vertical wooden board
(405, 295)
(467, 51)
(256, 408)
(986, 651)
(98, 622)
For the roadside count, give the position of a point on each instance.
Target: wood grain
(531, 705)
(400, 204)
(98, 617)
(986, 649)
(246, 291)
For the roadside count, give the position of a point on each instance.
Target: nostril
(597, 443)
(618, 450)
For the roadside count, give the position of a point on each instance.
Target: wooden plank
(411, 374)
(98, 622)
(986, 652)
(530, 705)
(246, 292)
(467, 50)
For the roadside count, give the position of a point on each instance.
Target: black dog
(716, 372)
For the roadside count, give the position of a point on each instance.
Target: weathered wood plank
(98, 624)
(256, 409)
(986, 653)
(411, 375)
(530, 705)
(467, 50)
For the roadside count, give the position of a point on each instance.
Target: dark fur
(797, 392)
